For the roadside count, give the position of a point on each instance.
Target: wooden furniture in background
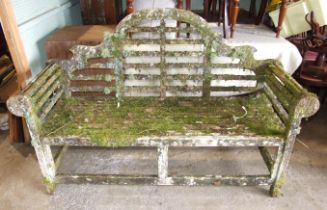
(313, 72)
(14, 42)
(101, 12)
(17, 126)
(58, 45)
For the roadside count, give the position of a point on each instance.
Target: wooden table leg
(235, 9)
(206, 9)
(188, 4)
(180, 4)
(282, 13)
(130, 6)
(262, 10)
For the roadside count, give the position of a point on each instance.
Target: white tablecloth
(266, 44)
(260, 37)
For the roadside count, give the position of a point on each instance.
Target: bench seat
(103, 124)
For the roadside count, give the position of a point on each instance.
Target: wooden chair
(313, 46)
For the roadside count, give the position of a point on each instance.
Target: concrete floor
(305, 187)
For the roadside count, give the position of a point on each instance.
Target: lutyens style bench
(164, 79)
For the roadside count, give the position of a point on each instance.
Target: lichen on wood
(267, 114)
(103, 123)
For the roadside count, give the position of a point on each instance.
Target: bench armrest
(37, 99)
(293, 98)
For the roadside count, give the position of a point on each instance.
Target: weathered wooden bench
(178, 87)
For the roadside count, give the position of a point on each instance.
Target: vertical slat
(207, 70)
(163, 73)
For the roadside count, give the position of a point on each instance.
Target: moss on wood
(106, 125)
(50, 185)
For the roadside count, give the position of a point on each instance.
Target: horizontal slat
(183, 93)
(101, 83)
(233, 88)
(167, 53)
(184, 59)
(214, 180)
(137, 83)
(50, 103)
(234, 83)
(92, 94)
(142, 59)
(184, 71)
(283, 95)
(93, 71)
(232, 71)
(233, 77)
(282, 113)
(287, 80)
(141, 94)
(158, 41)
(192, 83)
(224, 60)
(147, 47)
(44, 88)
(100, 60)
(228, 93)
(41, 79)
(149, 71)
(52, 89)
(97, 88)
(157, 29)
(168, 65)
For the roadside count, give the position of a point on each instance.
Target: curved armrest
(296, 100)
(40, 95)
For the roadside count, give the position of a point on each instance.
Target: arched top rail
(194, 21)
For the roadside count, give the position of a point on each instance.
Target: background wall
(38, 19)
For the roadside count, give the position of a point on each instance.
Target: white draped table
(266, 44)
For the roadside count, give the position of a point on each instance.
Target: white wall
(38, 19)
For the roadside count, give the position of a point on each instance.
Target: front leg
(47, 166)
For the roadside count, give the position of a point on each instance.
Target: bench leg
(47, 166)
(163, 164)
(282, 160)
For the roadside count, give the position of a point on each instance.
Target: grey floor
(305, 187)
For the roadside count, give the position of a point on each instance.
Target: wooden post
(262, 11)
(235, 10)
(163, 163)
(130, 6)
(17, 52)
(179, 4)
(14, 42)
(206, 9)
(188, 5)
(282, 13)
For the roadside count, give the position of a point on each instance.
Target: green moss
(106, 125)
(50, 185)
(275, 191)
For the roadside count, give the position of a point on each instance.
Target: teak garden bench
(164, 79)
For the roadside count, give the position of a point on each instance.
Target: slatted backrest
(162, 53)
(170, 52)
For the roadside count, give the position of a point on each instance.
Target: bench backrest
(162, 53)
